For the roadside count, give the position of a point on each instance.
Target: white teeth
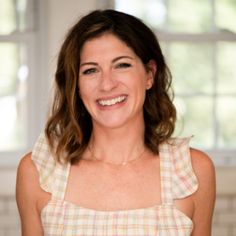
(112, 101)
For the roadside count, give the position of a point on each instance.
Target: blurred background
(198, 38)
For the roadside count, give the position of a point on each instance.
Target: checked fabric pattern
(60, 217)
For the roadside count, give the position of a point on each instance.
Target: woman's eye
(89, 71)
(123, 65)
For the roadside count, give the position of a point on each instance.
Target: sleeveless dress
(60, 217)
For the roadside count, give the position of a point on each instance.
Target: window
(19, 34)
(198, 39)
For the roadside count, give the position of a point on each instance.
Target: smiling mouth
(111, 102)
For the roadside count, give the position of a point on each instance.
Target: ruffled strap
(181, 180)
(52, 175)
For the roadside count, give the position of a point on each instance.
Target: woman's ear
(151, 70)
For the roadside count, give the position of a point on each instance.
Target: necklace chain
(117, 164)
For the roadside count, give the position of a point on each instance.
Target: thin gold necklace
(117, 164)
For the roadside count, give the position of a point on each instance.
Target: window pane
(153, 12)
(226, 111)
(13, 86)
(226, 14)
(226, 68)
(189, 16)
(191, 66)
(12, 15)
(195, 118)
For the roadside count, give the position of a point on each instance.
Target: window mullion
(215, 95)
(167, 15)
(16, 37)
(213, 16)
(16, 15)
(31, 11)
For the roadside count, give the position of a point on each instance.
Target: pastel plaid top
(60, 217)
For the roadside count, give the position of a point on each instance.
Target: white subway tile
(227, 218)
(220, 231)
(222, 204)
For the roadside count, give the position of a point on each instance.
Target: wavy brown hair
(69, 126)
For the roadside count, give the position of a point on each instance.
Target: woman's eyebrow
(122, 57)
(89, 63)
(114, 60)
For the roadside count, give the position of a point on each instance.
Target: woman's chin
(112, 123)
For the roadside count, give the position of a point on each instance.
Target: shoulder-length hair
(69, 126)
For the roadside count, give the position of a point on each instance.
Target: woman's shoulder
(29, 195)
(202, 164)
(204, 169)
(26, 161)
(204, 197)
(26, 168)
(27, 185)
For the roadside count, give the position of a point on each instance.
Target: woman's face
(113, 81)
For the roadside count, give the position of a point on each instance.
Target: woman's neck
(117, 145)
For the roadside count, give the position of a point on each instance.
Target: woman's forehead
(105, 44)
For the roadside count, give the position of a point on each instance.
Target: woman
(106, 163)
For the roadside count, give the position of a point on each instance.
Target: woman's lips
(112, 101)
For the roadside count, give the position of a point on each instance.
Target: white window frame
(35, 40)
(220, 157)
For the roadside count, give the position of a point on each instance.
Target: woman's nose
(108, 82)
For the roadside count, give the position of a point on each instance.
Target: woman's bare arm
(27, 193)
(204, 198)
